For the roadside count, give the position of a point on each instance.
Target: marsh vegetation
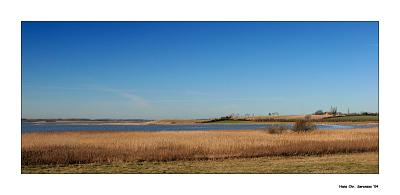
(111, 147)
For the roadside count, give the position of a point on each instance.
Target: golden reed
(111, 147)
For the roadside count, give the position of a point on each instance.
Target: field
(110, 148)
(334, 163)
(352, 118)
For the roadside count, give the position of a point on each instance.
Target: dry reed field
(114, 147)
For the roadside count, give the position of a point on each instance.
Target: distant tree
(334, 110)
(319, 112)
(368, 114)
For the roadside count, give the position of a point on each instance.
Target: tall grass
(109, 147)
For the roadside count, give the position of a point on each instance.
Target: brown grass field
(65, 148)
(355, 163)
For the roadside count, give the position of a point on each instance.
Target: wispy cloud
(197, 93)
(126, 94)
(135, 99)
(218, 99)
(129, 95)
(189, 96)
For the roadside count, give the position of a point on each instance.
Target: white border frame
(13, 12)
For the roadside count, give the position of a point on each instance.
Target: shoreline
(186, 131)
(221, 127)
(194, 123)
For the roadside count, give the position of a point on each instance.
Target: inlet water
(32, 127)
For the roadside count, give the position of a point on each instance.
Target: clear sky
(156, 70)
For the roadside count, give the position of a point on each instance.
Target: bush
(304, 125)
(276, 129)
(368, 114)
(224, 118)
(319, 112)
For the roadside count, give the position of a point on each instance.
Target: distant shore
(319, 119)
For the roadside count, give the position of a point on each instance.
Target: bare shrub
(304, 125)
(276, 129)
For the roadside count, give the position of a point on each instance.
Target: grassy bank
(335, 163)
(122, 147)
(352, 119)
(231, 122)
(294, 118)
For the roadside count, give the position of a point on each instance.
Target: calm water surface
(30, 127)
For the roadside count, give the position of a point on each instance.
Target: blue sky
(159, 70)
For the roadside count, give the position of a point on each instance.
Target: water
(31, 127)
